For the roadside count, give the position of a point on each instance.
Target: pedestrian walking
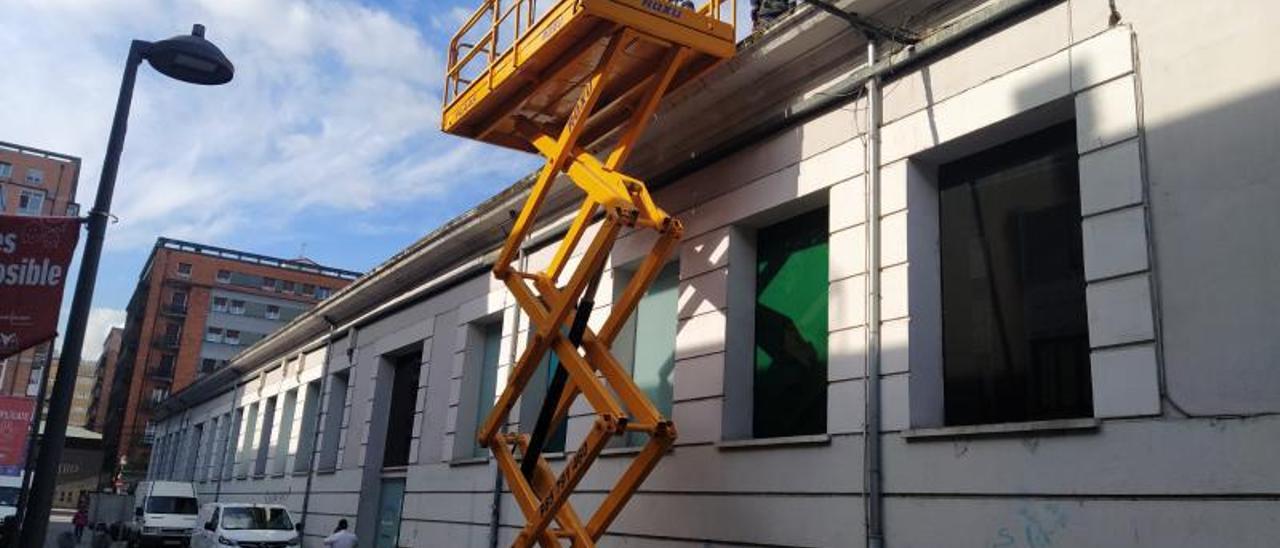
(341, 537)
(80, 520)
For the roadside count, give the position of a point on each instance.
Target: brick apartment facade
(37, 183)
(194, 308)
(106, 370)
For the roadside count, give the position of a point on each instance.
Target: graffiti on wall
(1034, 526)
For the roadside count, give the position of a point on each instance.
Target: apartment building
(1066, 314)
(38, 183)
(82, 394)
(106, 368)
(194, 308)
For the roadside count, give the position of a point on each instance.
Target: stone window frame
(739, 333)
(461, 420)
(1102, 96)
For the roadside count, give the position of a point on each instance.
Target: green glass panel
(790, 388)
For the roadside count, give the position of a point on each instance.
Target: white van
(164, 514)
(238, 524)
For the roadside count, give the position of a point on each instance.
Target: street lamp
(190, 59)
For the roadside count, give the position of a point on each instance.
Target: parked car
(226, 524)
(164, 514)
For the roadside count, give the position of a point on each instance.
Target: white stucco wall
(1177, 113)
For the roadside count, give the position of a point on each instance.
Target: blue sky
(327, 138)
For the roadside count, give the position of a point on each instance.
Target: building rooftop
(30, 151)
(301, 264)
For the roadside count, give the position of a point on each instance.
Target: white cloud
(334, 105)
(101, 320)
(450, 20)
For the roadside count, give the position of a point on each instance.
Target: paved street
(59, 523)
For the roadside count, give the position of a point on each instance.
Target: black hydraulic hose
(541, 430)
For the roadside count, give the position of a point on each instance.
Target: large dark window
(1015, 338)
(404, 395)
(790, 380)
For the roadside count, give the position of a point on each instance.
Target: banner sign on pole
(34, 256)
(15, 421)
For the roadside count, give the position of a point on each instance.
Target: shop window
(405, 374)
(243, 462)
(531, 402)
(230, 444)
(646, 346)
(310, 423)
(264, 442)
(1015, 334)
(334, 411)
(480, 378)
(789, 388)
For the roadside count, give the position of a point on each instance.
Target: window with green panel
(790, 377)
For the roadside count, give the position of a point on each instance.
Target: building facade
(1055, 275)
(38, 183)
(82, 395)
(82, 398)
(194, 308)
(100, 395)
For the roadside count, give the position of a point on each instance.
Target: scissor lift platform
(579, 79)
(512, 60)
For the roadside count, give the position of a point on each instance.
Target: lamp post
(189, 58)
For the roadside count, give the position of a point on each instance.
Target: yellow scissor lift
(571, 79)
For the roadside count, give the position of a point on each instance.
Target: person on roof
(764, 12)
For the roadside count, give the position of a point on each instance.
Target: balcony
(174, 309)
(161, 372)
(170, 342)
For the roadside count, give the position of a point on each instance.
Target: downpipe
(873, 476)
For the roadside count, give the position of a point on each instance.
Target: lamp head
(191, 58)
